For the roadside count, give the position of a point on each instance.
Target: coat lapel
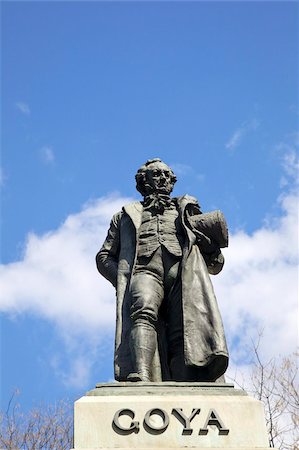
(134, 211)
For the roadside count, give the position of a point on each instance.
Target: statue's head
(155, 176)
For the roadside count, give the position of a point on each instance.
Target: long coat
(204, 340)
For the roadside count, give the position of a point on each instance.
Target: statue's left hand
(215, 262)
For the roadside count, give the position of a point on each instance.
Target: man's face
(159, 178)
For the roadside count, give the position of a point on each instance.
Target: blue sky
(90, 91)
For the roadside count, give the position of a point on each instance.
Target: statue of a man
(158, 255)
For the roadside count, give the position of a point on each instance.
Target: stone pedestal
(169, 416)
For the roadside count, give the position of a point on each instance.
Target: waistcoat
(160, 229)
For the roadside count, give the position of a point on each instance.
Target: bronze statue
(158, 255)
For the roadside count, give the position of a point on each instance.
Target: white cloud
(258, 286)
(23, 108)
(47, 154)
(56, 279)
(236, 138)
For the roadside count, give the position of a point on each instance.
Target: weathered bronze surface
(158, 255)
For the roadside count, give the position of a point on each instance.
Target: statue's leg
(143, 345)
(147, 295)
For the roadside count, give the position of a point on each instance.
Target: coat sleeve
(209, 249)
(107, 257)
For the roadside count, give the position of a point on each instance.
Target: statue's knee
(144, 315)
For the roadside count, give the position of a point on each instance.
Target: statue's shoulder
(185, 200)
(128, 209)
(132, 208)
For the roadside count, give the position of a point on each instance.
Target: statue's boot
(143, 346)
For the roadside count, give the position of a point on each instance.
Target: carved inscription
(214, 419)
(178, 413)
(132, 428)
(151, 426)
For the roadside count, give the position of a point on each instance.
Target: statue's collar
(134, 210)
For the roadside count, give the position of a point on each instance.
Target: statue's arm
(107, 257)
(209, 249)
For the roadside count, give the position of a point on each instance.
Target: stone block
(169, 416)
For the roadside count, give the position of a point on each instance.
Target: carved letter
(178, 413)
(214, 419)
(150, 428)
(133, 428)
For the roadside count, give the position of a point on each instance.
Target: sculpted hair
(140, 177)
